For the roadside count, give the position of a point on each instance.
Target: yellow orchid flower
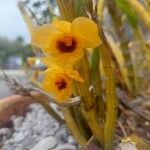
(58, 82)
(65, 41)
(50, 62)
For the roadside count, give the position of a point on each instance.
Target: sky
(11, 22)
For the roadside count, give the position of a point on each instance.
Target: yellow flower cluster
(63, 44)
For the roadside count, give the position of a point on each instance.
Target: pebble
(128, 146)
(36, 131)
(17, 122)
(5, 132)
(65, 147)
(46, 144)
(71, 140)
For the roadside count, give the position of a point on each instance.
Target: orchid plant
(81, 62)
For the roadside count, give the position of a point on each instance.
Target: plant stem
(111, 99)
(100, 8)
(71, 123)
(88, 6)
(118, 26)
(96, 80)
(129, 65)
(138, 60)
(139, 35)
(141, 11)
(81, 122)
(66, 9)
(89, 103)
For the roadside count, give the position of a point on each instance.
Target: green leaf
(79, 8)
(126, 9)
(95, 62)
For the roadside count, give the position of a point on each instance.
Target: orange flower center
(61, 84)
(67, 44)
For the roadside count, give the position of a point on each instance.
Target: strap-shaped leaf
(79, 8)
(126, 9)
(95, 62)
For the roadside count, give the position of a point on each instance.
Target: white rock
(55, 126)
(71, 140)
(8, 147)
(65, 147)
(5, 132)
(17, 122)
(62, 135)
(45, 144)
(27, 125)
(17, 137)
(127, 146)
(34, 128)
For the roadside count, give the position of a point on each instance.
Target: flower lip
(67, 44)
(61, 84)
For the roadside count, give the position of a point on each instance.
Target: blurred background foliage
(13, 54)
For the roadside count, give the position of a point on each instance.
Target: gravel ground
(36, 131)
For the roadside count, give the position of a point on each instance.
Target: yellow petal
(63, 26)
(42, 35)
(48, 61)
(75, 75)
(87, 30)
(64, 96)
(67, 60)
